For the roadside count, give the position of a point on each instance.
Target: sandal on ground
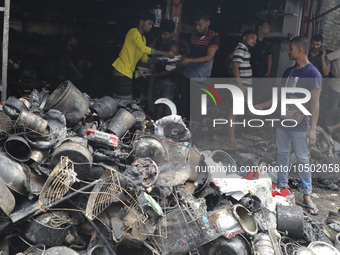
(312, 209)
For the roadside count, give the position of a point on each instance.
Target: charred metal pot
(290, 220)
(163, 150)
(121, 122)
(49, 228)
(233, 246)
(78, 152)
(151, 147)
(247, 221)
(70, 101)
(139, 115)
(18, 148)
(105, 107)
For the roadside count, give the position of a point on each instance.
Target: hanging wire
(295, 245)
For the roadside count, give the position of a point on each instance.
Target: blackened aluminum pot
(290, 220)
(18, 148)
(121, 122)
(105, 107)
(38, 231)
(70, 101)
(76, 152)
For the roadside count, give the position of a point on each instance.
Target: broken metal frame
(102, 196)
(58, 183)
(3, 86)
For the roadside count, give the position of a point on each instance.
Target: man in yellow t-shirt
(134, 49)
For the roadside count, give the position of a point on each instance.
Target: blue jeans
(284, 139)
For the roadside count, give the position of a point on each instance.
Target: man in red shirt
(204, 44)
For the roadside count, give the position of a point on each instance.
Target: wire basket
(187, 226)
(57, 184)
(182, 237)
(103, 194)
(195, 208)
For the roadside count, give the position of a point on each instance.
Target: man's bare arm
(237, 75)
(314, 109)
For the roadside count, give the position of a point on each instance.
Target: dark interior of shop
(37, 29)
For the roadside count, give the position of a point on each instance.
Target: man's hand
(183, 62)
(311, 135)
(170, 54)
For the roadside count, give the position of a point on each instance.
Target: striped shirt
(199, 46)
(241, 54)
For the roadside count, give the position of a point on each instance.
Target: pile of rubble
(85, 176)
